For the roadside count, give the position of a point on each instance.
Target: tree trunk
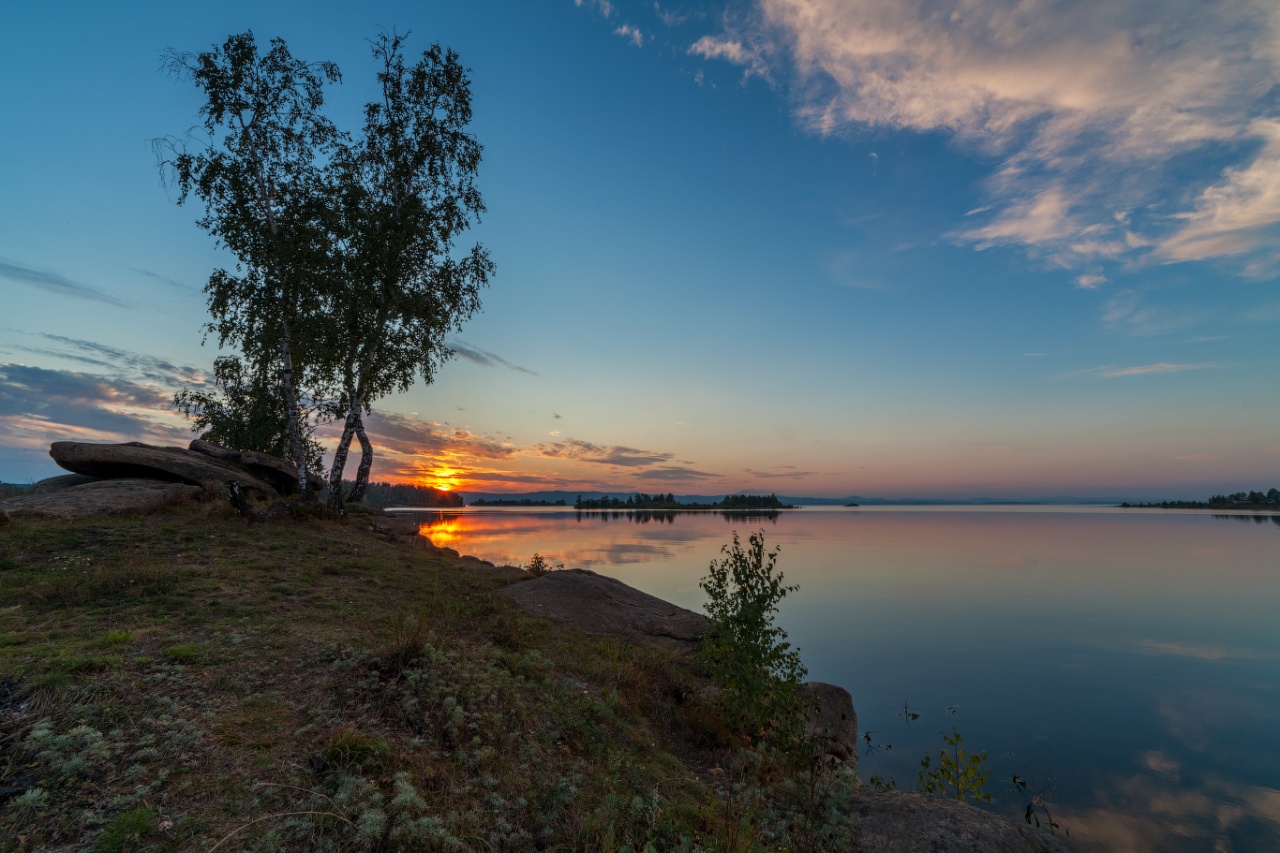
(340, 453)
(366, 462)
(296, 445)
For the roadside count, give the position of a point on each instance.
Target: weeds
(540, 565)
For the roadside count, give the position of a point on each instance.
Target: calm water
(1129, 658)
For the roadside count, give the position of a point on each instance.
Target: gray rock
(395, 525)
(605, 607)
(903, 822)
(102, 497)
(280, 473)
(66, 481)
(834, 721)
(134, 460)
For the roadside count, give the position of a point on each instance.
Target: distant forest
(640, 500)
(515, 502)
(1269, 499)
(397, 494)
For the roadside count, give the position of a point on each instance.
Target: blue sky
(809, 246)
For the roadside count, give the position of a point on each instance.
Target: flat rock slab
(605, 607)
(134, 460)
(281, 474)
(66, 481)
(102, 497)
(905, 822)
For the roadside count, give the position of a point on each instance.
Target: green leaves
(959, 774)
(758, 672)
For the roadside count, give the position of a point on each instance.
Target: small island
(640, 500)
(513, 502)
(1268, 501)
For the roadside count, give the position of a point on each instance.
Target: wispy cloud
(53, 282)
(585, 451)
(631, 34)
(39, 405)
(484, 358)
(1090, 281)
(789, 472)
(1087, 105)
(1114, 372)
(1129, 312)
(674, 473)
(604, 7)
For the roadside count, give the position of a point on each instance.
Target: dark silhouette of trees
(404, 192)
(259, 179)
(347, 280)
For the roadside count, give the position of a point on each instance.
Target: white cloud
(1112, 372)
(1090, 281)
(631, 34)
(1086, 103)
(605, 7)
(1235, 214)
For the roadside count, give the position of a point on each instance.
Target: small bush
(539, 566)
(748, 657)
(959, 774)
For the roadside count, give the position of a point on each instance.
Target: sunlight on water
(1129, 658)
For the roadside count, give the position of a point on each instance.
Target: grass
(184, 681)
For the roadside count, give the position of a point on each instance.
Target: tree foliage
(405, 192)
(347, 279)
(758, 672)
(245, 411)
(259, 179)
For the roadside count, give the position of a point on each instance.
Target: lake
(1126, 661)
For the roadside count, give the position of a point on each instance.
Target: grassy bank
(185, 681)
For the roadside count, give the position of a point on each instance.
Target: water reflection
(1258, 518)
(1134, 658)
(644, 516)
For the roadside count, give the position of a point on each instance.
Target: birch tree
(260, 179)
(406, 191)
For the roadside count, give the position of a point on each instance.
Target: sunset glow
(812, 247)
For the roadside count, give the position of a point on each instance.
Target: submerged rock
(605, 607)
(102, 497)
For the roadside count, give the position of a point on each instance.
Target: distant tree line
(403, 494)
(514, 502)
(1251, 500)
(640, 500)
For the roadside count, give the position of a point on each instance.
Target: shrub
(540, 565)
(959, 774)
(758, 672)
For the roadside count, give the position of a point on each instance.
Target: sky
(814, 247)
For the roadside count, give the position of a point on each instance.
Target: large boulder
(905, 822)
(101, 497)
(605, 607)
(66, 481)
(281, 474)
(833, 722)
(134, 460)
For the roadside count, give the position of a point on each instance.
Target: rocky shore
(133, 478)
